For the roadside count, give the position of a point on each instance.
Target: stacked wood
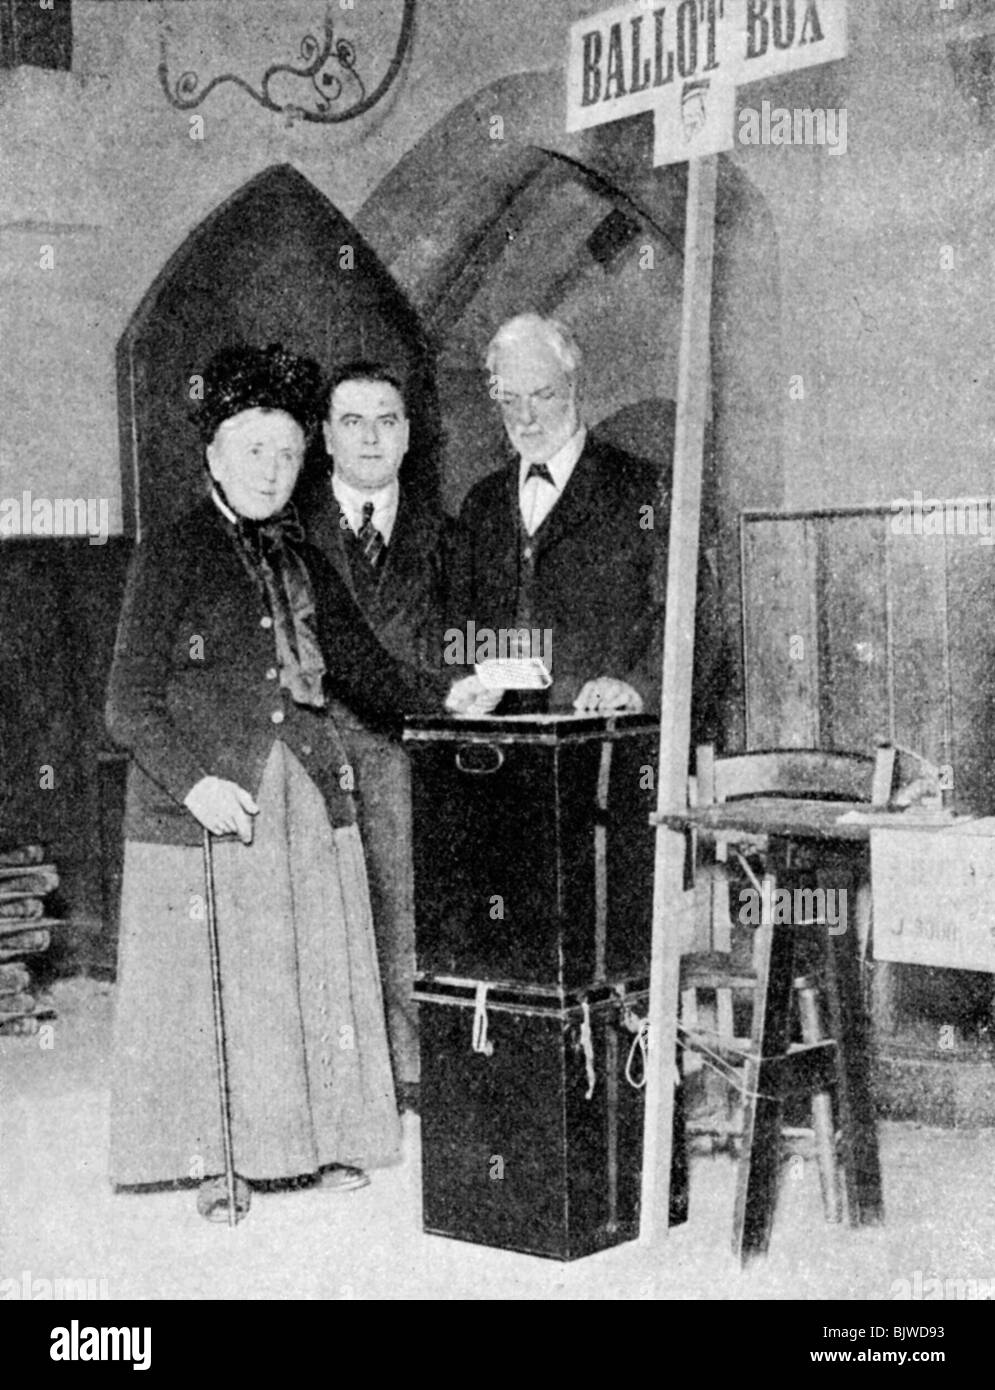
(26, 881)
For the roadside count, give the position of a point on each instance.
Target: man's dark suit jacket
(600, 570)
(405, 609)
(194, 690)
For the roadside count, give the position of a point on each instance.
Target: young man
(385, 540)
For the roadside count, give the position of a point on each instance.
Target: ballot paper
(514, 673)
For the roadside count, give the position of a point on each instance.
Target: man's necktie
(539, 470)
(369, 537)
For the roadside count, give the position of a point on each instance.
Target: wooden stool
(773, 1066)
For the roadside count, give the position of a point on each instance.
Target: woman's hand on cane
(222, 807)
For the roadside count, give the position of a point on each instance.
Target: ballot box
(533, 852)
(532, 1116)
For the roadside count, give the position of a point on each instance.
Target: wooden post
(672, 907)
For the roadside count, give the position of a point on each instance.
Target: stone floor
(59, 1218)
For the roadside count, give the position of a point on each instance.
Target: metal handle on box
(464, 763)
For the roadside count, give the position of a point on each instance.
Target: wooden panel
(854, 709)
(970, 610)
(37, 692)
(36, 33)
(780, 634)
(916, 575)
(60, 600)
(937, 597)
(93, 590)
(802, 773)
(904, 652)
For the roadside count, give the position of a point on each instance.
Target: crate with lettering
(933, 893)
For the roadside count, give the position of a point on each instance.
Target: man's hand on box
(606, 695)
(471, 696)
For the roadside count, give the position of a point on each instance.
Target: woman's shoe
(339, 1177)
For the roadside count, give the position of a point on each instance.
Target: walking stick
(227, 1197)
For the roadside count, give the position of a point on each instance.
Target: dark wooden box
(533, 852)
(534, 1142)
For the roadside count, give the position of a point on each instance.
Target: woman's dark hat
(247, 378)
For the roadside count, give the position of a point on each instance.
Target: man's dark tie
(369, 537)
(539, 470)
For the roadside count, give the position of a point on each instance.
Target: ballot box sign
(934, 898)
(685, 61)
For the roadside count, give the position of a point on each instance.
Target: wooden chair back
(793, 772)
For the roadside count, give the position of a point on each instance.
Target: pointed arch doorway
(277, 262)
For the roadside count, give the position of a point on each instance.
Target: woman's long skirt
(307, 1050)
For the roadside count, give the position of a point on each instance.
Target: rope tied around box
(480, 1041)
(587, 1046)
(640, 1028)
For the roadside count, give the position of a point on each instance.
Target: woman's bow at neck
(268, 548)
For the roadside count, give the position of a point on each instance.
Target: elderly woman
(232, 637)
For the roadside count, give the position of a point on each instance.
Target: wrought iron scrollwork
(186, 94)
